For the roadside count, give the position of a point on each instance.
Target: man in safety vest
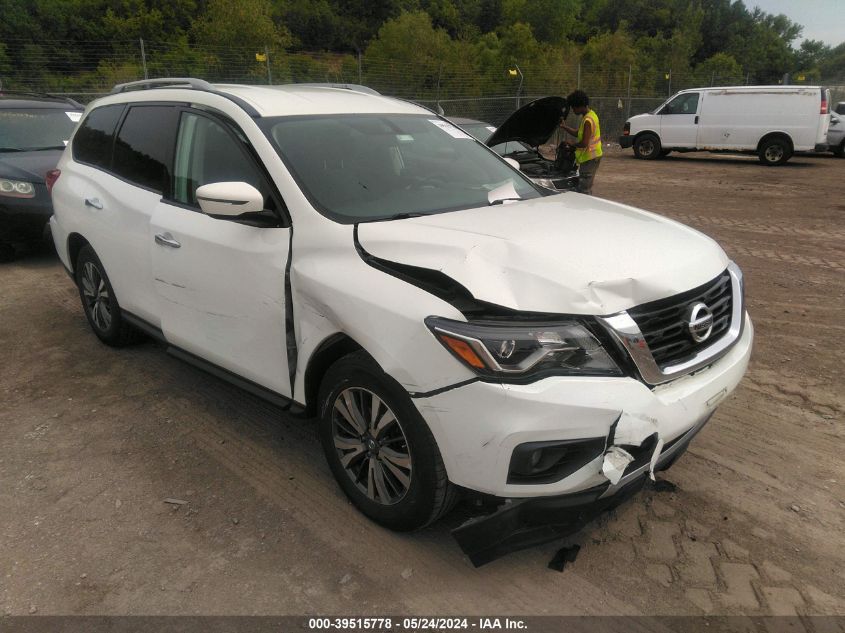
(587, 140)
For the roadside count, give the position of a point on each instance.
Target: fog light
(547, 462)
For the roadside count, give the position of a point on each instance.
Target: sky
(822, 19)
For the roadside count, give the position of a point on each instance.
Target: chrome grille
(663, 323)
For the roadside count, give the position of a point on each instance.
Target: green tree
(720, 69)
(239, 24)
(551, 21)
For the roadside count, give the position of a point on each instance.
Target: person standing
(587, 140)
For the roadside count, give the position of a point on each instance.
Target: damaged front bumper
(481, 425)
(521, 523)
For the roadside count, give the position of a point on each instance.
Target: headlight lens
(524, 349)
(16, 188)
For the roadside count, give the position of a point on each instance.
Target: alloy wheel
(97, 298)
(647, 147)
(371, 445)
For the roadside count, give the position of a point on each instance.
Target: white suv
(359, 259)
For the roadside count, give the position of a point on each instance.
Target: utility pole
(360, 73)
(519, 88)
(578, 82)
(628, 106)
(144, 58)
(267, 57)
(670, 82)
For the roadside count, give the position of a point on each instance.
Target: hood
(532, 123)
(29, 166)
(560, 254)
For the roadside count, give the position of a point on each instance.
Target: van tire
(775, 150)
(429, 495)
(99, 302)
(647, 146)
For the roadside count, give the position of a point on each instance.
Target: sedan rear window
(358, 168)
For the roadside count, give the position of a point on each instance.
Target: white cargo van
(771, 121)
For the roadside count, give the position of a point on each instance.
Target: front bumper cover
(626, 141)
(522, 523)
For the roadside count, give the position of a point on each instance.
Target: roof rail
(164, 82)
(353, 87)
(184, 82)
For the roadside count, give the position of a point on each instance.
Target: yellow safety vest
(593, 149)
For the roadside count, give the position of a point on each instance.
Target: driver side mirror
(229, 199)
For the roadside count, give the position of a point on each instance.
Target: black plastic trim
(287, 404)
(436, 392)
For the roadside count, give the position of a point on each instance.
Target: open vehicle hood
(559, 254)
(532, 123)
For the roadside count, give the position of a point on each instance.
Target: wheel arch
(648, 131)
(776, 134)
(75, 243)
(329, 351)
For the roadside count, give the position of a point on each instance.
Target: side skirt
(283, 402)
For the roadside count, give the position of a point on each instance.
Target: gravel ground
(94, 440)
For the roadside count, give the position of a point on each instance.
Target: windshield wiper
(41, 149)
(501, 201)
(10, 149)
(400, 216)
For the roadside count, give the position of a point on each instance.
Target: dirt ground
(92, 440)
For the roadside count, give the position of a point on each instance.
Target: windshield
(365, 167)
(36, 128)
(481, 131)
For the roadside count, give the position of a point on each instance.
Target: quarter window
(144, 146)
(207, 153)
(92, 143)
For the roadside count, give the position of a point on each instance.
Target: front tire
(775, 151)
(380, 450)
(647, 147)
(98, 301)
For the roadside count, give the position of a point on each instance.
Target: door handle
(93, 202)
(166, 239)
(696, 119)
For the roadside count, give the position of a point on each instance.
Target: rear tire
(386, 461)
(775, 151)
(647, 147)
(98, 301)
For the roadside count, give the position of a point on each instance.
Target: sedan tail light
(52, 177)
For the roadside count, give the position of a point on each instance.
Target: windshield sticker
(404, 138)
(74, 116)
(450, 129)
(65, 142)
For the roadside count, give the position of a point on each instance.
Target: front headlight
(521, 349)
(16, 188)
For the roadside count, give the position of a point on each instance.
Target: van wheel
(379, 448)
(98, 301)
(647, 147)
(775, 151)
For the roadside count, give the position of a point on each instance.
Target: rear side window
(93, 141)
(143, 149)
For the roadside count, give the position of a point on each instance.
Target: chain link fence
(86, 70)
